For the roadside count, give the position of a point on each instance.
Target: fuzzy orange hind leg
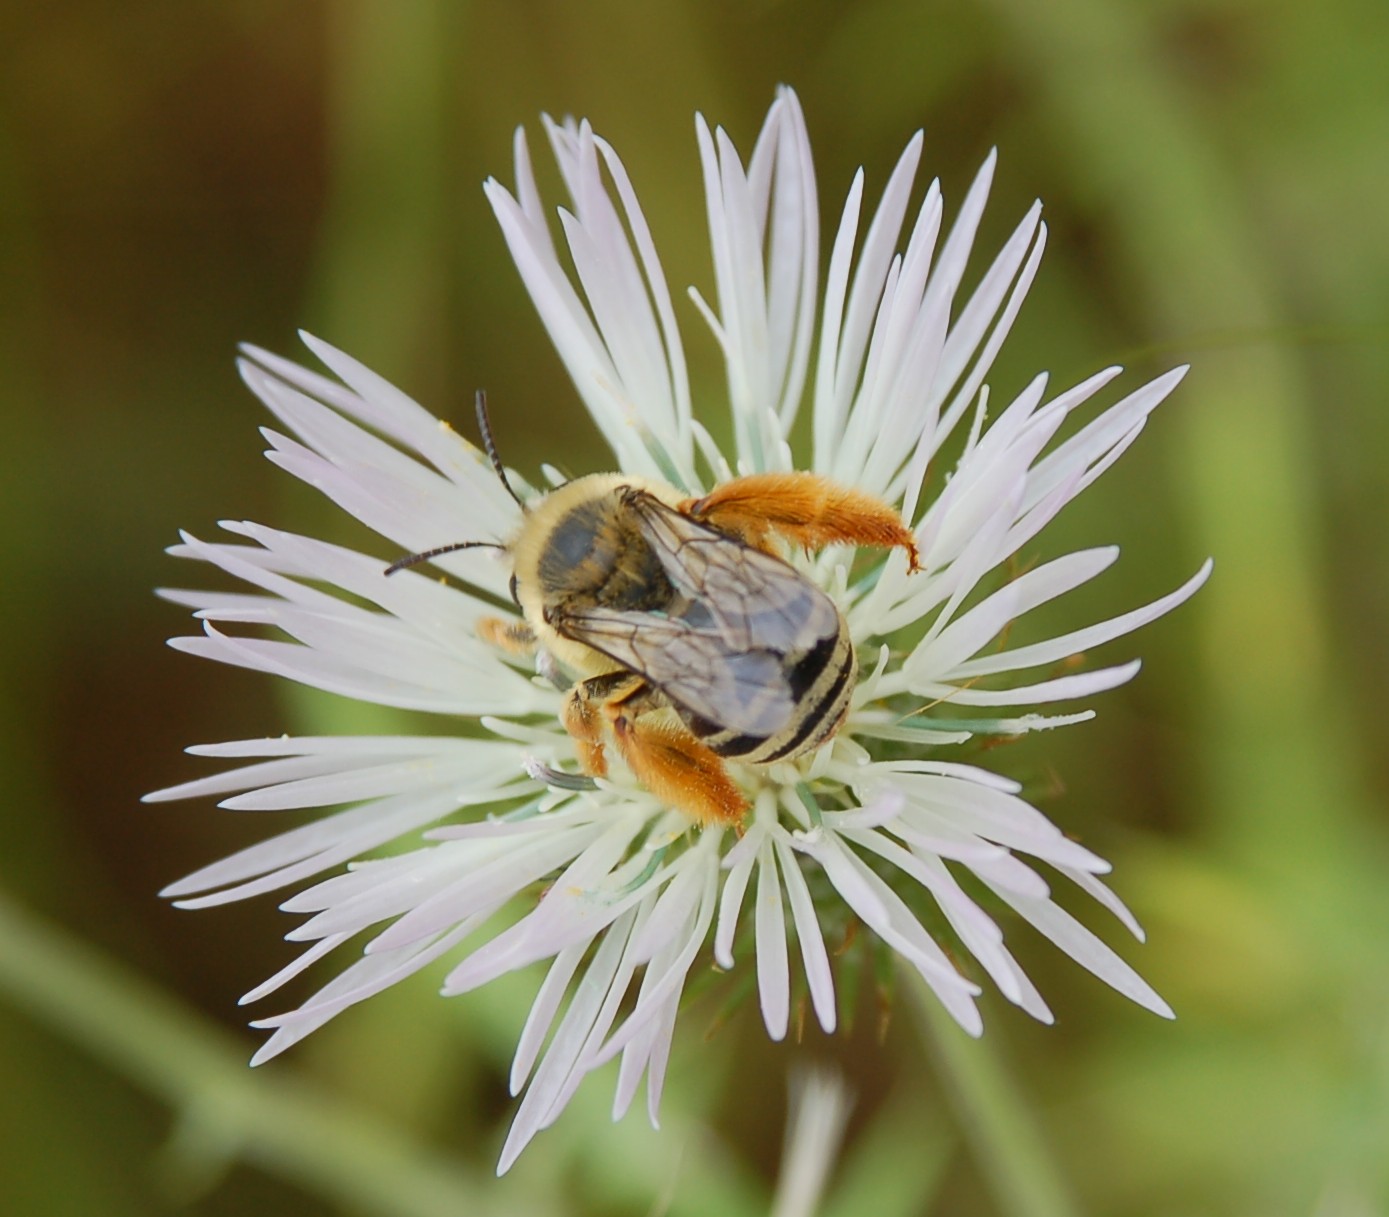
(803, 508)
(677, 768)
(583, 720)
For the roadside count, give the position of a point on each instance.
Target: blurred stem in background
(818, 1109)
(226, 1112)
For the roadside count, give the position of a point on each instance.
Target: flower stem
(1007, 1145)
(819, 1109)
(284, 1127)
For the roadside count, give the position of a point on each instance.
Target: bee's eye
(515, 593)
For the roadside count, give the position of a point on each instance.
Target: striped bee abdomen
(821, 681)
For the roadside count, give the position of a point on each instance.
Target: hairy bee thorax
(579, 547)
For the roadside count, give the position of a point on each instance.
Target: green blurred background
(177, 177)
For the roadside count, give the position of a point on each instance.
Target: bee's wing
(754, 600)
(741, 690)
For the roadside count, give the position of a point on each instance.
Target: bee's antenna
(415, 559)
(484, 424)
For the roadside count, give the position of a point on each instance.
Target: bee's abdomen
(822, 682)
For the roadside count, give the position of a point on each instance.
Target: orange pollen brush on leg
(678, 769)
(803, 508)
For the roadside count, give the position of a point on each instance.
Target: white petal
(1091, 443)
(669, 966)
(578, 907)
(623, 352)
(659, 1057)
(813, 953)
(293, 856)
(590, 996)
(1092, 886)
(831, 396)
(773, 979)
(992, 814)
(947, 652)
(366, 782)
(731, 902)
(977, 930)
(965, 335)
(1063, 687)
(333, 674)
(542, 1013)
(270, 773)
(883, 911)
(365, 978)
(852, 382)
(1056, 649)
(495, 879)
(1087, 950)
(793, 258)
(292, 969)
(571, 330)
(655, 278)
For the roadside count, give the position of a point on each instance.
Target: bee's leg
(509, 635)
(802, 508)
(586, 727)
(661, 752)
(675, 766)
(583, 719)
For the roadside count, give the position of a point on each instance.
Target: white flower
(620, 894)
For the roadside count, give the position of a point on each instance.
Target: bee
(690, 640)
